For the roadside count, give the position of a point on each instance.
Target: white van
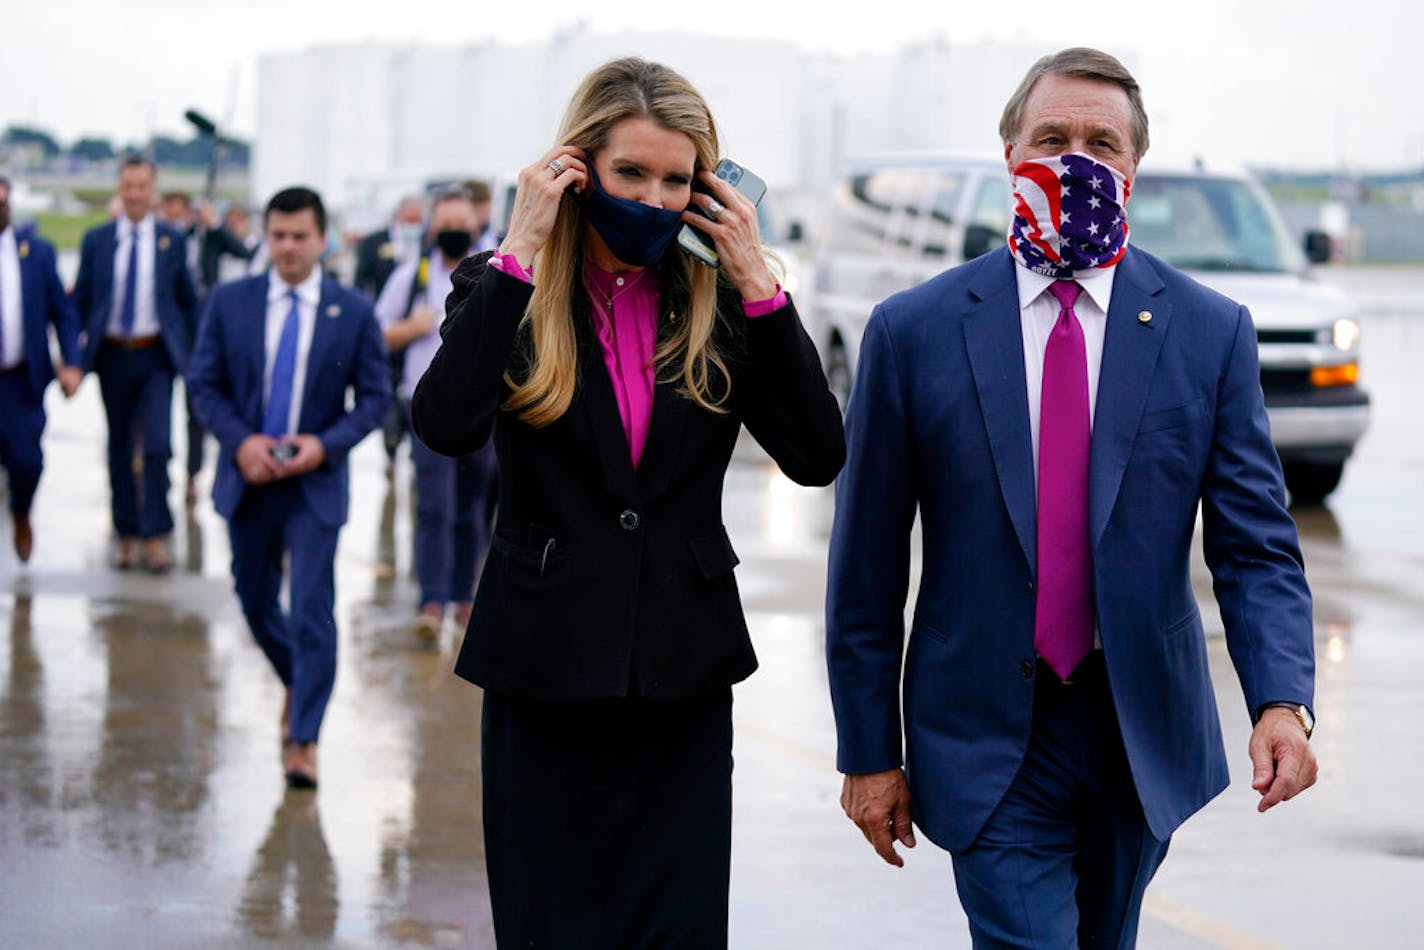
(895, 223)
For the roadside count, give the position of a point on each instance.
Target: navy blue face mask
(636, 233)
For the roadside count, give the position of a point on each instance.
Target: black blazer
(603, 580)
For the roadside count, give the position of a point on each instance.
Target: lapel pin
(163, 243)
(1144, 317)
(333, 311)
(23, 250)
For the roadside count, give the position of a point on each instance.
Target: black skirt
(608, 823)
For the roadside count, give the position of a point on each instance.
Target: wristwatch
(1302, 712)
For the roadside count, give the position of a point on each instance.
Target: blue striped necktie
(284, 370)
(129, 311)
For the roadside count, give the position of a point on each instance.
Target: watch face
(1306, 720)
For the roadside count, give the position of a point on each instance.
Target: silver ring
(557, 167)
(715, 208)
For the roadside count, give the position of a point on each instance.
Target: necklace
(624, 285)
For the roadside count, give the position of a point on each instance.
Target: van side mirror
(1318, 247)
(980, 239)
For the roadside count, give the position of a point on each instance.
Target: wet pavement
(141, 802)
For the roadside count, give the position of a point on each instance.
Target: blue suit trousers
(137, 388)
(1066, 858)
(272, 521)
(21, 424)
(454, 506)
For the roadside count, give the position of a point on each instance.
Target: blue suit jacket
(175, 300)
(938, 424)
(225, 379)
(44, 304)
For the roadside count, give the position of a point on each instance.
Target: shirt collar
(127, 227)
(1097, 284)
(308, 291)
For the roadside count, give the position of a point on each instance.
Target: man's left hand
(1281, 757)
(310, 454)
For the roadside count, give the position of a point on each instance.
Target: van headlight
(1345, 334)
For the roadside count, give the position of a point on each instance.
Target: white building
(368, 122)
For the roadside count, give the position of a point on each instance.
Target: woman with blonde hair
(615, 372)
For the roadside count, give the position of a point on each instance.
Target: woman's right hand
(536, 201)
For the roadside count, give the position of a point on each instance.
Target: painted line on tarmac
(1200, 925)
(1190, 922)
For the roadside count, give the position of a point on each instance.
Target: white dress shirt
(308, 298)
(1038, 312)
(12, 312)
(145, 314)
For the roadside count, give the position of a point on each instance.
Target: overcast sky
(1306, 84)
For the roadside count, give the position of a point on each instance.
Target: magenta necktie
(1063, 612)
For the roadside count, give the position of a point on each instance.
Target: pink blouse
(625, 308)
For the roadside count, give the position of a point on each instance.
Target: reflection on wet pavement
(142, 804)
(291, 889)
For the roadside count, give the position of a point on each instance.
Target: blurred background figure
(454, 496)
(32, 300)
(175, 209)
(487, 235)
(377, 257)
(136, 304)
(381, 252)
(233, 264)
(225, 241)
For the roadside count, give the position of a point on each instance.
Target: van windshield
(1210, 224)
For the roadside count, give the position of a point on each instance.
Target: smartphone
(700, 245)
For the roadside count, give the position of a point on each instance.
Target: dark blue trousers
(137, 387)
(22, 422)
(300, 642)
(454, 503)
(1065, 859)
(196, 434)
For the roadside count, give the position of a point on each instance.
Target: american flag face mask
(1068, 215)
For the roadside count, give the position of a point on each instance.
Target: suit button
(629, 520)
(1026, 669)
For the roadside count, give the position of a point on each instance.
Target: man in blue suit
(32, 300)
(1055, 412)
(136, 305)
(276, 356)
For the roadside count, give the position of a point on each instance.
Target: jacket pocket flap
(1171, 418)
(713, 554)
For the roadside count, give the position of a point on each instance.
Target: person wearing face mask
(454, 495)
(615, 373)
(1056, 413)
